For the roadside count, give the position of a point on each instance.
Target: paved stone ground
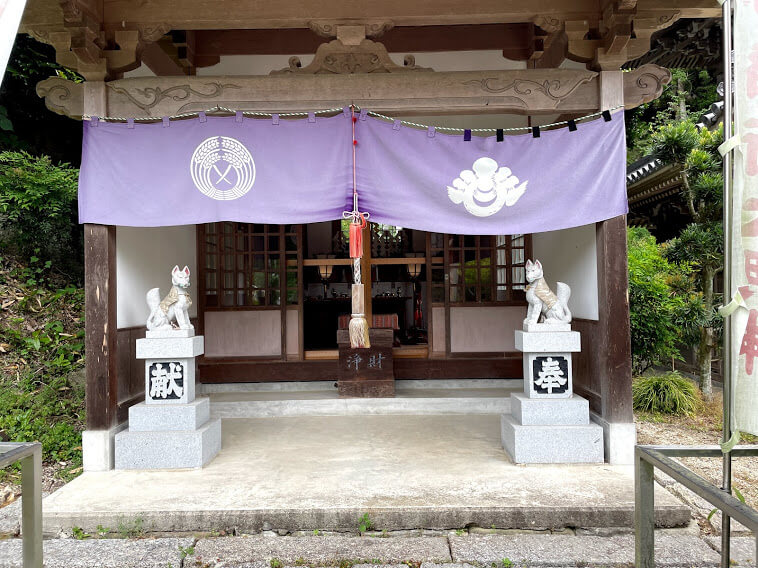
(674, 549)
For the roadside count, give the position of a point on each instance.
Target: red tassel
(356, 238)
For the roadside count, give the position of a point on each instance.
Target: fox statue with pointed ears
(542, 300)
(171, 312)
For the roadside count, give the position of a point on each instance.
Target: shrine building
(271, 300)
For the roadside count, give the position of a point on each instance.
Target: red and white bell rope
(358, 327)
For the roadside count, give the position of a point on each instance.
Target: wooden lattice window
(248, 265)
(480, 269)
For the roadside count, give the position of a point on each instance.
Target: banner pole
(728, 237)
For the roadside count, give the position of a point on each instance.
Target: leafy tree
(701, 242)
(663, 309)
(38, 211)
(689, 94)
(25, 122)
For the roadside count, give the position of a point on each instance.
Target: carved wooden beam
(532, 91)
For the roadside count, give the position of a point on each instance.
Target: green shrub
(662, 308)
(38, 211)
(669, 393)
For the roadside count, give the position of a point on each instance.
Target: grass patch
(669, 393)
(41, 352)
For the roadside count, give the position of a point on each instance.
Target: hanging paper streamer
(745, 215)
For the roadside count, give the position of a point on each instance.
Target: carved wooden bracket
(524, 91)
(622, 33)
(644, 84)
(372, 28)
(350, 53)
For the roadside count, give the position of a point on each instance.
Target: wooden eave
(655, 187)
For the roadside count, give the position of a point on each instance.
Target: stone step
(451, 551)
(326, 403)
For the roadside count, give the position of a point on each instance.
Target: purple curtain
(437, 182)
(300, 171)
(218, 169)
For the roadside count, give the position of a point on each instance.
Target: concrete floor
(306, 473)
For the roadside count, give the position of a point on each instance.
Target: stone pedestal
(171, 429)
(548, 422)
(366, 373)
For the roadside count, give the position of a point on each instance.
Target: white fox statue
(553, 307)
(171, 312)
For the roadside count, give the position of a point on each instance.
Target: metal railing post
(31, 508)
(726, 371)
(644, 512)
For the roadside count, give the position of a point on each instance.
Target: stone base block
(538, 327)
(169, 417)
(548, 375)
(169, 381)
(170, 347)
(168, 450)
(551, 444)
(170, 333)
(548, 341)
(98, 448)
(550, 411)
(366, 389)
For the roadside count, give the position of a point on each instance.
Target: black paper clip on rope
(467, 135)
(572, 125)
(535, 131)
(500, 135)
(606, 115)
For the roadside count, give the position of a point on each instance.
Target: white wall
(240, 333)
(570, 256)
(144, 259)
(484, 329)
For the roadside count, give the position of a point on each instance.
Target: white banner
(744, 230)
(10, 18)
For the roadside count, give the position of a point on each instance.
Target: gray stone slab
(170, 333)
(10, 519)
(538, 327)
(103, 553)
(742, 549)
(548, 341)
(551, 444)
(166, 417)
(168, 450)
(565, 550)
(549, 411)
(170, 347)
(323, 549)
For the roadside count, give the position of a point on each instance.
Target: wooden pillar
(100, 326)
(614, 345)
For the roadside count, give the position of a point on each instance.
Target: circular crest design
(222, 168)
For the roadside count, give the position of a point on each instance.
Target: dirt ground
(702, 429)
(10, 487)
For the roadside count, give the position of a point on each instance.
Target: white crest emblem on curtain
(222, 168)
(485, 190)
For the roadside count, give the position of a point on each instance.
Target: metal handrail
(30, 456)
(646, 459)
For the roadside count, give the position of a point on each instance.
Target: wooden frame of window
(457, 274)
(250, 266)
(477, 269)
